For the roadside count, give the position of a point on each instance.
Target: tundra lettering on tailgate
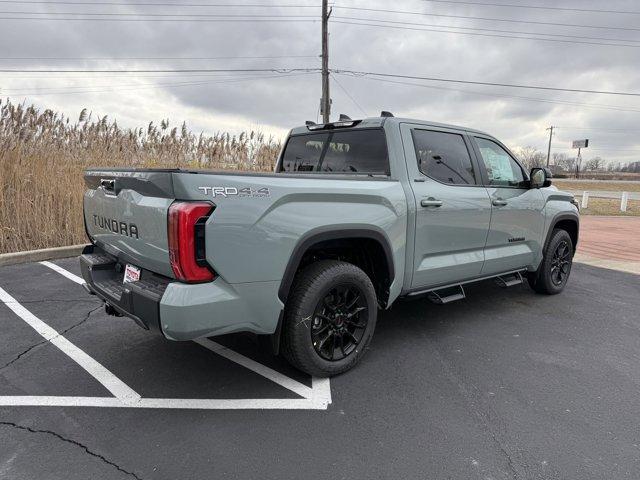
(115, 226)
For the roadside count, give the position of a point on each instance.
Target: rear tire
(554, 270)
(329, 319)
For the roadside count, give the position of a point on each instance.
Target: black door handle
(108, 185)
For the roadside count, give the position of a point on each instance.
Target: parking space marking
(321, 390)
(273, 375)
(165, 403)
(65, 273)
(316, 397)
(60, 401)
(112, 383)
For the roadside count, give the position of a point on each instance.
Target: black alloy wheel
(554, 270)
(561, 264)
(339, 322)
(329, 318)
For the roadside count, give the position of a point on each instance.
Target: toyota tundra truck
(357, 215)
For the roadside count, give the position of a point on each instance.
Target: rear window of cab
(353, 151)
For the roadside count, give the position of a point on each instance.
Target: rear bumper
(182, 311)
(139, 300)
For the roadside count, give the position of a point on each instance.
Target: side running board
(447, 295)
(506, 281)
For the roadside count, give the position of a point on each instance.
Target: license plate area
(131, 274)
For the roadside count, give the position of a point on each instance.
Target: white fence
(624, 197)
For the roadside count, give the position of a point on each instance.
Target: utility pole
(325, 102)
(549, 149)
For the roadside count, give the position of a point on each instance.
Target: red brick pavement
(610, 238)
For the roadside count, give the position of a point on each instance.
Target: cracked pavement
(503, 385)
(43, 342)
(70, 441)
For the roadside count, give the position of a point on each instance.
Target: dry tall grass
(43, 155)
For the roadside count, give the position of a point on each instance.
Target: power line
(601, 149)
(312, 70)
(491, 84)
(277, 19)
(616, 130)
(232, 57)
(333, 77)
(177, 70)
(159, 15)
(122, 76)
(216, 80)
(160, 4)
(116, 75)
(502, 95)
(207, 16)
(396, 25)
(494, 30)
(121, 88)
(537, 7)
(490, 19)
(263, 5)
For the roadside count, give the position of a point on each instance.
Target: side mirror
(540, 177)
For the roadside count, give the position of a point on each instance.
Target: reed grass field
(43, 155)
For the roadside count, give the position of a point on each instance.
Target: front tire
(553, 273)
(329, 318)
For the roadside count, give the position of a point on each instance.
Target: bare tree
(564, 163)
(531, 157)
(594, 164)
(633, 167)
(614, 167)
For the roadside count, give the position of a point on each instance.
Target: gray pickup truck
(358, 214)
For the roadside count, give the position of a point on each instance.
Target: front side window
(303, 152)
(444, 157)
(502, 170)
(355, 151)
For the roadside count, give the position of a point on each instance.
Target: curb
(40, 255)
(618, 265)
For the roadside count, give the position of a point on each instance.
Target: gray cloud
(276, 104)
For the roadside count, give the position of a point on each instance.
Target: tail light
(187, 252)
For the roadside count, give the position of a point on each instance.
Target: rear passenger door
(517, 219)
(452, 207)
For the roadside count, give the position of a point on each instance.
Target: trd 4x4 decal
(235, 192)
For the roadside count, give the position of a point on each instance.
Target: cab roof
(373, 122)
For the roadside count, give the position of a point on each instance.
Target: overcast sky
(420, 45)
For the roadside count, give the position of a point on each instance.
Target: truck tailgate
(125, 213)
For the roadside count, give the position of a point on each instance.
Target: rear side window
(303, 152)
(356, 151)
(444, 157)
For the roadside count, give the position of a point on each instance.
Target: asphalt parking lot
(505, 384)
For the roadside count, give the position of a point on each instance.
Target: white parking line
(65, 273)
(164, 403)
(321, 390)
(316, 397)
(112, 383)
(274, 376)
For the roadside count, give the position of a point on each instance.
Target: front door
(453, 209)
(517, 219)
